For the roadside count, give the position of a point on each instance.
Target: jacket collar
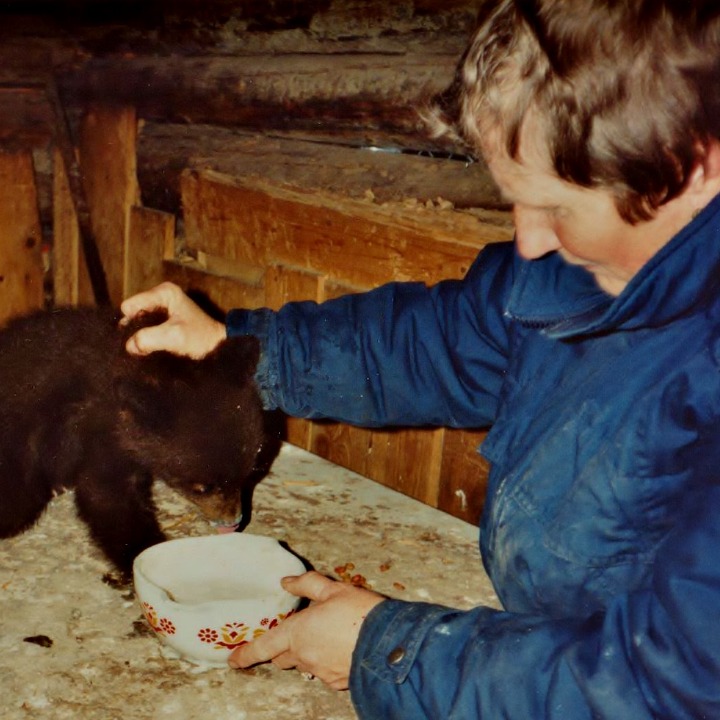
(565, 301)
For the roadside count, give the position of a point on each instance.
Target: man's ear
(704, 182)
(236, 358)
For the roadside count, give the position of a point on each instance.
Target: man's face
(583, 226)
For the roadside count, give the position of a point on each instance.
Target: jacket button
(396, 656)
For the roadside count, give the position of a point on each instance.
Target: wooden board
(70, 282)
(107, 159)
(386, 174)
(151, 239)
(21, 269)
(463, 475)
(25, 118)
(223, 291)
(360, 243)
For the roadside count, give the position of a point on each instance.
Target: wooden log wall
(258, 152)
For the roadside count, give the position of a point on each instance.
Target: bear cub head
(198, 425)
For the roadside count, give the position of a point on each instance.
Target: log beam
(364, 98)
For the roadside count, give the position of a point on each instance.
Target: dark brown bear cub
(77, 411)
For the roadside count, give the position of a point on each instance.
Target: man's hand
(187, 331)
(320, 639)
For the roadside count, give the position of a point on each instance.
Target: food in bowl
(205, 596)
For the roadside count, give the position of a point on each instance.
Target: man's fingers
(285, 661)
(149, 339)
(312, 585)
(138, 303)
(273, 644)
(161, 296)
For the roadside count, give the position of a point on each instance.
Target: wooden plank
(164, 150)
(107, 158)
(406, 460)
(224, 292)
(67, 263)
(21, 270)
(285, 284)
(25, 118)
(151, 240)
(463, 476)
(413, 463)
(355, 242)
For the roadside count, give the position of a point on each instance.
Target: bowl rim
(150, 553)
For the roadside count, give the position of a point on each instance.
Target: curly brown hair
(628, 91)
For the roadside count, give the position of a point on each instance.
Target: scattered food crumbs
(384, 567)
(429, 536)
(41, 640)
(346, 575)
(140, 628)
(398, 586)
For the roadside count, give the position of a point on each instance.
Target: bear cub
(78, 412)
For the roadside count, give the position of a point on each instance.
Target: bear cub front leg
(120, 514)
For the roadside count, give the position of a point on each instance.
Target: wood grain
(21, 270)
(107, 159)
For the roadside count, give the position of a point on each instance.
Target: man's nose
(534, 232)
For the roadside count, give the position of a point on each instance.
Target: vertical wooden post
(67, 266)
(151, 237)
(21, 271)
(108, 163)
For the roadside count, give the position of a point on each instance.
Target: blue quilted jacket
(601, 531)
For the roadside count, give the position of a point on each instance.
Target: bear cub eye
(200, 489)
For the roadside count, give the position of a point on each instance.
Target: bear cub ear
(153, 393)
(145, 400)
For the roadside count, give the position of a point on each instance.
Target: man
(592, 347)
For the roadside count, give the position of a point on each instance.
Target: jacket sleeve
(651, 654)
(403, 354)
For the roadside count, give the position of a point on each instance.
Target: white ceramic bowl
(205, 596)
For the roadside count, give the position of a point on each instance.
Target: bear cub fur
(78, 412)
